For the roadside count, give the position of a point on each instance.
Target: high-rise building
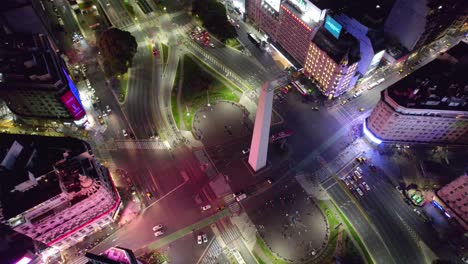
(332, 59)
(24, 17)
(429, 105)
(420, 22)
(53, 189)
(452, 200)
(33, 80)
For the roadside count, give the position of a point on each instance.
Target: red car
(155, 52)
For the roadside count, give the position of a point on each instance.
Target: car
(361, 159)
(212, 45)
(358, 190)
(269, 180)
(315, 108)
(108, 110)
(240, 196)
(357, 174)
(245, 151)
(206, 207)
(205, 238)
(359, 169)
(237, 26)
(343, 102)
(101, 120)
(361, 109)
(366, 186)
(357, 94)
(155, 51)
(149, 195)
(199, 239)
(157, 227)
(399, 189)
(346, 181)
(159, 233)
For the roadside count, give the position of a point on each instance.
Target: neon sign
(333, 27)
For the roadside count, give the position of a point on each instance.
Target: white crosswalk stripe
(212, 253)
(234, 207)
(78, 260)
(228, 199)
(230, 234)
(136, 144)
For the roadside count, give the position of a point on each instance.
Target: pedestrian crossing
(140, 144)
(228, 199)
(230, 234)
(212, 253)
(235, 208)
(78, 260)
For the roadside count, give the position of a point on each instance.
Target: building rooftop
(370, 13)
(27, 60)
(29, 172)
(455, 196)
(441, 84)
(346, 46)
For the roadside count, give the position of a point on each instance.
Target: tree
(214, 19)
(154, 257)
(117, 49)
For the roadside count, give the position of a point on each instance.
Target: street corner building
(452, 201)
(54, 190)
(34, 82)
(428, 106)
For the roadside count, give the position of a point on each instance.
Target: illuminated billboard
(332, 26)
(275, 4)
(73, 105)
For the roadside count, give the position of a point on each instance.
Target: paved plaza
(220, 122)
(290, 223)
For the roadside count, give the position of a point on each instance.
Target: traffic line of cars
(201, 36)
(355, 182)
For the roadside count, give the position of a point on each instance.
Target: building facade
(54, 190)
(290, 24)
(452, 199)
(420, 22)
(332, 62)
(34, 82)
(430, 105)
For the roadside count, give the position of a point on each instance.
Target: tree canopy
(214, 19)
(117, 49)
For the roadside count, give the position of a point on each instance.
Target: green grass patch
(129, 8)
(268, 253)
(333, 221)
(233, 43)
(123, 86)
(259, 260)
(201, 87)
(175, 108)
(165, 52)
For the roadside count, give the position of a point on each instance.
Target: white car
(157, 227)
(124, 132)
(358, 174)
(245, 151)
(206, 207)
(241, 197)
(108, 109)
(159, 233)
(359, 191)
(366, 186)
(359, 169)
(212, 45)
(199, 239)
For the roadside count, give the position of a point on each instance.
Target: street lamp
(208, 98)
